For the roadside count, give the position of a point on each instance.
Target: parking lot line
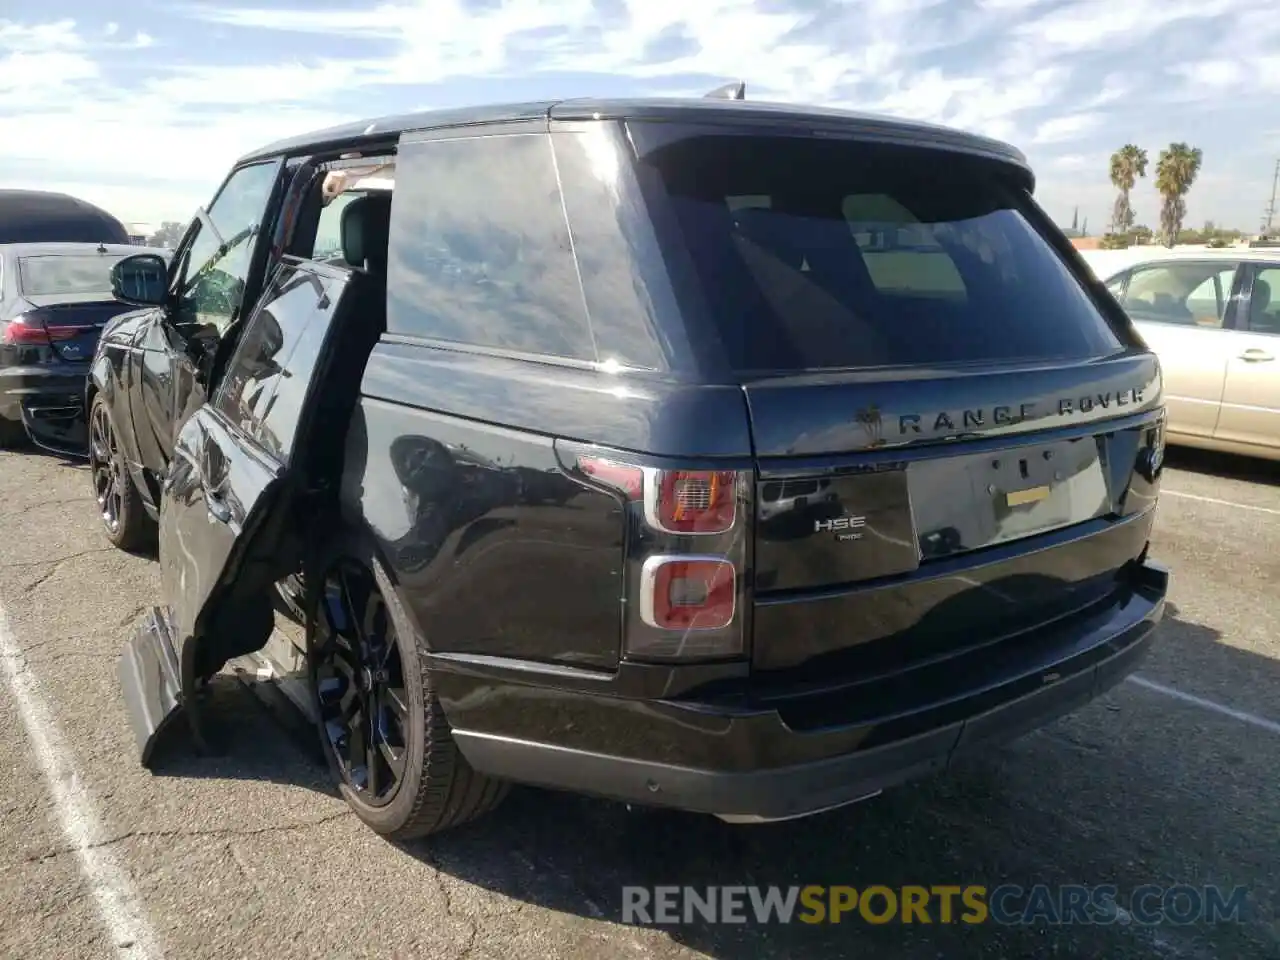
(118, 906)
(1243, 716)
(1224, 503)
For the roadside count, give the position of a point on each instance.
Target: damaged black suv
(739, 458)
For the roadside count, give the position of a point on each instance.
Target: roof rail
(737, 90)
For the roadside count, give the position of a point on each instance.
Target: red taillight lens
(31, 332)
(688, 593)
(692, 501)
(23, 330)
(623, 477)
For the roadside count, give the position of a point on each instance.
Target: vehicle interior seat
(360, 319)
(365, 230)
(1260, 319)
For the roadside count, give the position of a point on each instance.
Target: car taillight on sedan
(27, 331)
(687, 531)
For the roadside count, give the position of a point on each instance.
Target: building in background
(140, 233)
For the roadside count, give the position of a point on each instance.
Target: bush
(1115, 241)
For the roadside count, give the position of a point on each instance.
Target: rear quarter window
(480, 251)
(824, 254)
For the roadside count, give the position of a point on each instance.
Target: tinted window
(214, 270)
(267, 378)
(611, 257)
(824, 254)
(1264, 301)
(1191, 294)
(38, 276)
(479, 248)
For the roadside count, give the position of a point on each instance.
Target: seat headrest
(366, 228)
(1260, 299)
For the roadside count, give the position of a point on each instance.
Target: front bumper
(49, 402)
(741, 763)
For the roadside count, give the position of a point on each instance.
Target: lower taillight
(688, 593)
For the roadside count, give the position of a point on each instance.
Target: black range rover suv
(739, 458)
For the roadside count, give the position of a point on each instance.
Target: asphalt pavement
(1168, 780)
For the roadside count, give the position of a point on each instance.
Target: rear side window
(1191, 294)
(480, 249)
(821, 254)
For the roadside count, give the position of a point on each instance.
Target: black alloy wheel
(384, 733)
(125, 519)
(358, 675)
(107, 467)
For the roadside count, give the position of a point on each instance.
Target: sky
(142, 107)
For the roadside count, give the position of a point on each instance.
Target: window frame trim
(1252, 268)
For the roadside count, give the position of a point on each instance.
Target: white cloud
(1068, 127)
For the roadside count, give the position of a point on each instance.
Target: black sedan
(55, 298)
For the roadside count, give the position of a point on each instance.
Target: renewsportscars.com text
(940, 903)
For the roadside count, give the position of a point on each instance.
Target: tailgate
(879, 500)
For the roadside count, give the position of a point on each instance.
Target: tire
(438, 789)
(12, 434)
(124, 518)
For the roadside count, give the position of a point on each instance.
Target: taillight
(624, 478)
(685, 557)
(688, 593)
(29, 332)
(691, 501)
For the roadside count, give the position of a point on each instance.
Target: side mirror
(141, 279)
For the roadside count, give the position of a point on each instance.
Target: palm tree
(1175, 173)
(1127, 165)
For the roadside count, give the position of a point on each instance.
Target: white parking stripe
(1222, 503)
(1254, 721)
(118, 906)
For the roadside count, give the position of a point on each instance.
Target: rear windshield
(48, 274)
(816, 254)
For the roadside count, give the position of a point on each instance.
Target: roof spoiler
(737, 90)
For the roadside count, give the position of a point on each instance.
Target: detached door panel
(233, 457)
(214, 484)
(1251, 399)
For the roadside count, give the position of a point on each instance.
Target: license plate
(1018, 498)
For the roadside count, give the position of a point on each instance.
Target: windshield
(816, 254)
(67, 274)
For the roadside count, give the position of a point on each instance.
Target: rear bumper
(749, 764)
(49, 401)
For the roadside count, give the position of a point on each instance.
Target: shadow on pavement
(1135, 789)
(1226, 465)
